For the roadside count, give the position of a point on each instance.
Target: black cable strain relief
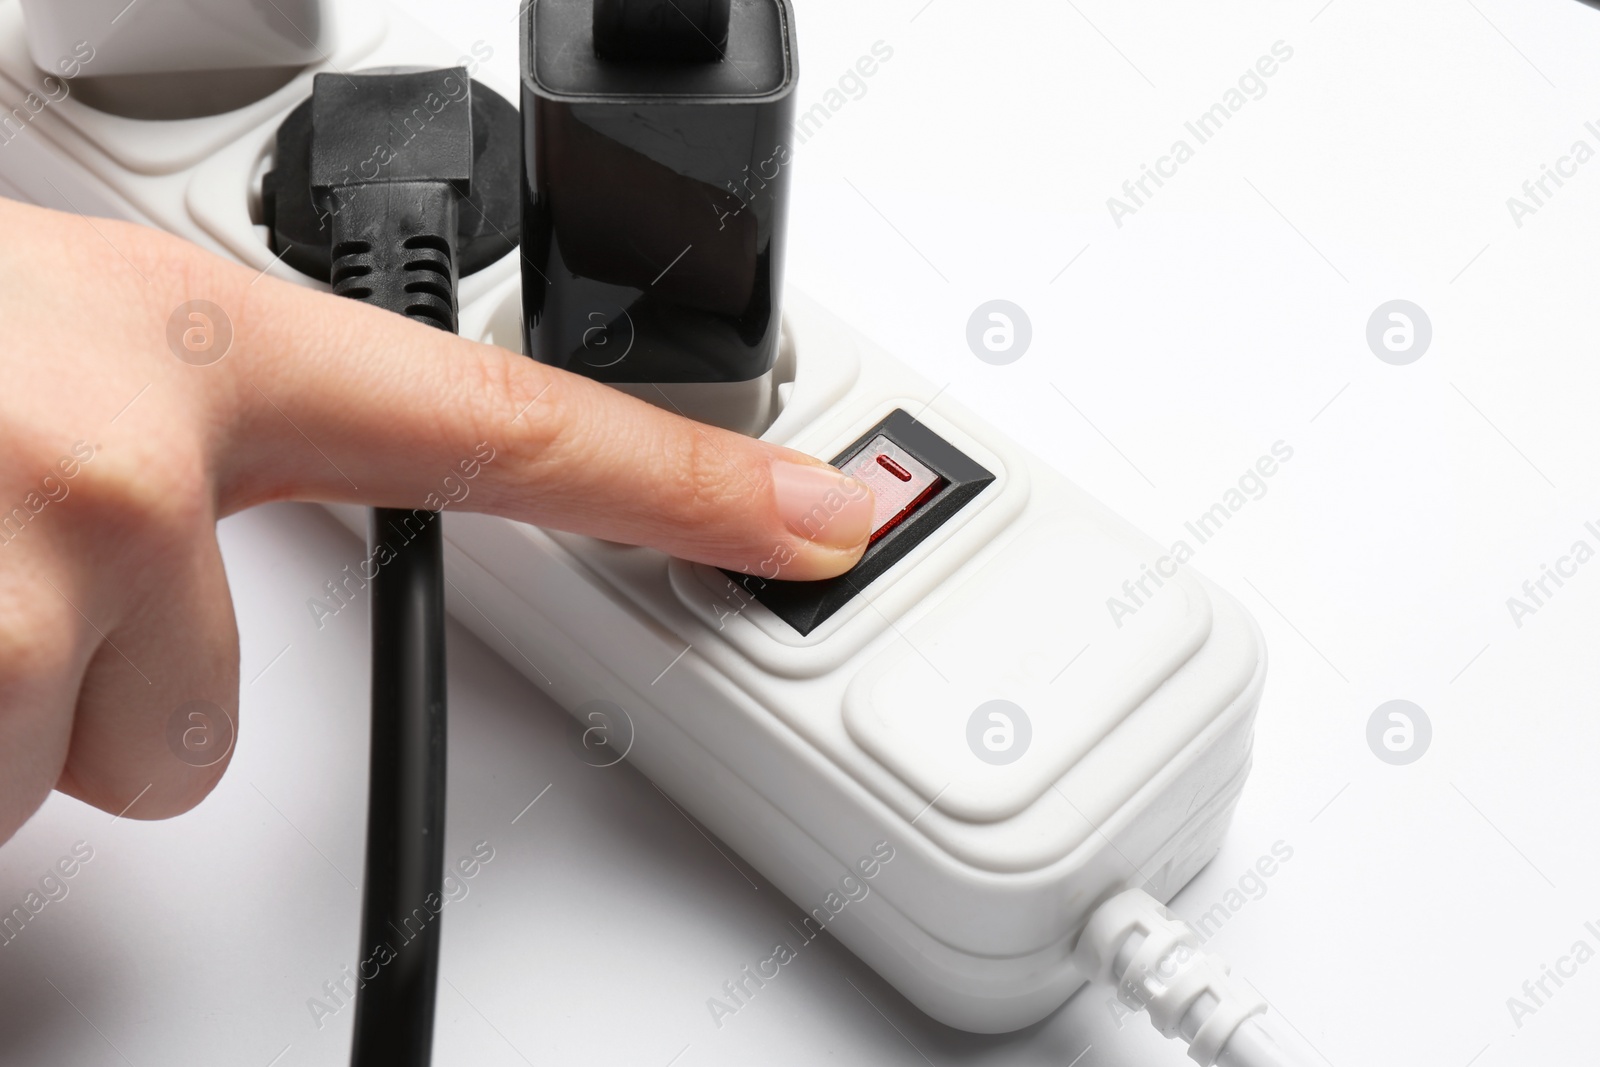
(413, 275)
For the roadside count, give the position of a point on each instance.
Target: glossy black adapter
(656, 159)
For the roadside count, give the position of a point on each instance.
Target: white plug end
(1155, 961)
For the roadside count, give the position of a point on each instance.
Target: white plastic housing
(173, 36)
(806, 753)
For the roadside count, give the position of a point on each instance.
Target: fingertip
(813, 563)
(829, 510)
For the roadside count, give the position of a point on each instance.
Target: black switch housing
(807, 605)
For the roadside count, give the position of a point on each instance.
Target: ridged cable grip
(413, 276)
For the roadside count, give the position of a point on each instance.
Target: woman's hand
(128, 427)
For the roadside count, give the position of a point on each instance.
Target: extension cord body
(837, 763)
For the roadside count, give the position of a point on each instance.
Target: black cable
(394, 226)
(393, 247)
(405, 797)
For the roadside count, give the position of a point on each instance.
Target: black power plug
(489, 222)
(387, 186)
(392, 208)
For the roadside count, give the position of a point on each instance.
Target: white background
(1227, 314)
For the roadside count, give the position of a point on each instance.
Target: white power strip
(956, 845)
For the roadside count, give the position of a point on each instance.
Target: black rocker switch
(919, 480)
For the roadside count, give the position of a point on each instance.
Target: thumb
(333, 400)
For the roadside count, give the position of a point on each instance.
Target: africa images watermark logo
(200, 733)
(51, 887)
(739, 990)
(1138, 591)
(53, 488)
(1252, 885)
(1399, 732)
(1537, 591)
(339, 992)
(1538, 191)
(999, 332)
(1251, 85)
(1399, 332)
(852, 82)
(1536, 993)
(52, 90)
(999, 732)
(453, 489)
(603, 734)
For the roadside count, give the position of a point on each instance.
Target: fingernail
(822, 505)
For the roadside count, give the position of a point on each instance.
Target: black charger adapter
(656, 158)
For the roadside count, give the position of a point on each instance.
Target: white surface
(1205, 329)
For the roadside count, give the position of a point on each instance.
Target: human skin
(114, 606)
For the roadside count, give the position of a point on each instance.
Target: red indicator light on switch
(894, 468)
(899, 481)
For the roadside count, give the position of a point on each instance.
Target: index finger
(337, 401)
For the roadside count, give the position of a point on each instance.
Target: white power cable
(1155, 961)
